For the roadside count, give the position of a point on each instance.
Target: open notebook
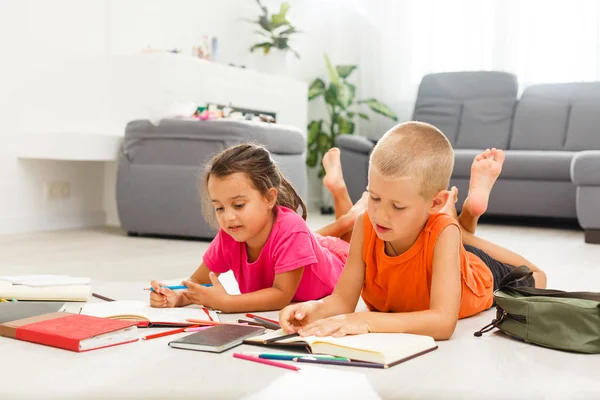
(386, 349)
(142, 312)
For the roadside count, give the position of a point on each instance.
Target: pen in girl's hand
(178, 287)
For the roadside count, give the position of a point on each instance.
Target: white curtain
(539, 41)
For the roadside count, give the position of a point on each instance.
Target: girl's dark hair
(255, 161)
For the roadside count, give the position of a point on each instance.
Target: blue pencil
(179, 287)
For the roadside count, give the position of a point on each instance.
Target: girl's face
(242, 211)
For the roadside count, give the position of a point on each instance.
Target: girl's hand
(340, 325)
(295, 316)
(213, 297)
(162, 297)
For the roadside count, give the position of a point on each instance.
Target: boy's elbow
(445, 331)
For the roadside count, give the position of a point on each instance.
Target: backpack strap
(516, 275)
(524, 272)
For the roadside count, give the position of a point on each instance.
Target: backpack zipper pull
(494, 324)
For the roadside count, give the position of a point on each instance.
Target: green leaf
(344, 125)
(333, 74)
(312, 158)
(265, 45)
(289, 31)
(344, 96)
(331, 95)
(345, 70)
(314, 128)
(379, 108)
(363, 116)
(281, 43)
(352, 91)
(264, 22)
(324, 142)
(280, 19)
(316, 88)
(350, 114)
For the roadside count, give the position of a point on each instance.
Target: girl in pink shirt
(274, 256)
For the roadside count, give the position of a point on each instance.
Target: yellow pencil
(3, 301)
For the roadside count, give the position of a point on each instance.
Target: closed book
(383, 350)
(55, 292)
(218, 338)
(71, 331)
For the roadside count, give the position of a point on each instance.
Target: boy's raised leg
(485, 170)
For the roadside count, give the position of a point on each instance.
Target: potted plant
(276, 30)
(339, 98)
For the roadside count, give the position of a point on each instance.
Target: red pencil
(265, 361)
(263, 318)
(167, 333)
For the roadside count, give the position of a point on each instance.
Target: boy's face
(396, 208)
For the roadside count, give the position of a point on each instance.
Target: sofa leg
(592, 236)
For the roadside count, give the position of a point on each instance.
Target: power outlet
(57, 190)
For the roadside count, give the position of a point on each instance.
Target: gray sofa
(547, 133)
(159, 169)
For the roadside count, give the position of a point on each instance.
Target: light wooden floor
(107, 254)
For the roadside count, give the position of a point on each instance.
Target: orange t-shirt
(403, 283)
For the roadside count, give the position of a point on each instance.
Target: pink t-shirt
(290, 245)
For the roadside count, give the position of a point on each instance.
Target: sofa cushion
(357, 144)
(485, 123)
(539, 123)
(444, 114)
(472, 108)
(524, 165)
(584, 125)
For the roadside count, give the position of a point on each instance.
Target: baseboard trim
(52, 222)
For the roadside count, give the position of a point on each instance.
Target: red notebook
(73, 332)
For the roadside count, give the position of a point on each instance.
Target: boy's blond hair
(417, 150)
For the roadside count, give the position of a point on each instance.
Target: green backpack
(551, 318)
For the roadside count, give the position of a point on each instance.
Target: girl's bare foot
(450, 206)
(347, 220)
(485, 170)
(333, 179)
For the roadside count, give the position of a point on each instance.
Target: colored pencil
(312, 360)
(254, 316)
(265, 361)
(253, 323)
(102, 297)
(203, 322)
(178, 287)
(167, 333)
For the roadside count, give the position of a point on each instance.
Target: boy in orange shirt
(416, 263)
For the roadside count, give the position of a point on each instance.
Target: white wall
(37, 35)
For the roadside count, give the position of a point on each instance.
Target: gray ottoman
(159, 170)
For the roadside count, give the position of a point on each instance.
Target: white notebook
(386, 349)
(70, 292)
(141, 311)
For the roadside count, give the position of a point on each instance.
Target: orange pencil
(167, 333)
(253, 316)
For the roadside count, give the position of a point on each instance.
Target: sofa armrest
(357, 144)
(585, 168)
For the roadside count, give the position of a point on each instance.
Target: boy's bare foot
(333, 179)
(347, 220)
(450, 206)
(485, 170)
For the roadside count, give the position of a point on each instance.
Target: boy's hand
(340, 325)
(295, 316)
(213, 297)
(162, 297)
